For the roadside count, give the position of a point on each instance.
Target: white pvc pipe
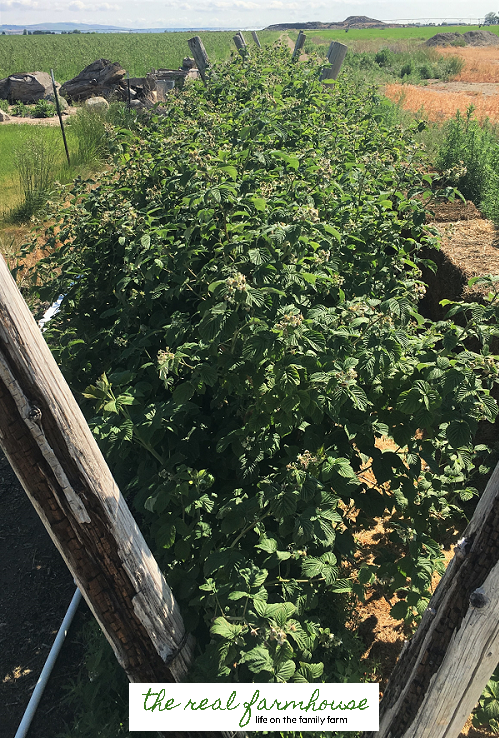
(51, 658)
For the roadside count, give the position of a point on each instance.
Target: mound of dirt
(470, 38)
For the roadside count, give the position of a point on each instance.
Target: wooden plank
(200, 56)
(443, 670)
(50, 447)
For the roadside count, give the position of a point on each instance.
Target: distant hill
(86, 28)
(353, 21)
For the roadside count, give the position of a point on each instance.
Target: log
(100, 78)
(200, 56)
(444, 668)
(46, 439)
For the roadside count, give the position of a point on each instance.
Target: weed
(470, 145)
(21, 110)
(89, 129)
(36, 162)
(4, 105)
(44, 109)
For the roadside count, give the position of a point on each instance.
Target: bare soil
(53, 121)
(35, 591)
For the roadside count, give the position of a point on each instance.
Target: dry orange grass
(481, 63)
(438, 106)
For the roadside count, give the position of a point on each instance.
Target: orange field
(439, 105)
(481, 70)
(481, 63)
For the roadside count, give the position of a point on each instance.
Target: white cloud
(19, 5)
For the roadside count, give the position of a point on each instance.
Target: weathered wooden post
(444, 668)
(300, 41)
(48, 443)
(240, 44)
(335, 56)
(256, 39)
(200, 56)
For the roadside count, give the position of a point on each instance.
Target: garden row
(241, 324)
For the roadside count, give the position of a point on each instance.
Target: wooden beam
(48, 443)
(443, 670)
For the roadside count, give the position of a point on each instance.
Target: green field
(394, 34)
(68, 54)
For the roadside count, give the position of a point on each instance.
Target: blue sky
(228, 13)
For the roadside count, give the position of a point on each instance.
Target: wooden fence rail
(443, 670)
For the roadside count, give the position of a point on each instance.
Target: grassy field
(392, 34)
(68, 54)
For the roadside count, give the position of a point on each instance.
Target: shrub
(241, 317)
(471, 148)
(20, 109)
(384, 58)
(44, 109)
(4, 105)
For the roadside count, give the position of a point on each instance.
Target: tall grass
(411, 64)
(32, 158)
(136, 52)
(36, 158)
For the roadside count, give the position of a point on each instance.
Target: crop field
(391, 34)
(68, 54)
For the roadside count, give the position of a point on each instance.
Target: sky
(237, 14)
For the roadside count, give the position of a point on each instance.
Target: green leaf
(231, 171)
(458, 433)
(259, 203)
(257, 660)
(183, 393)
(145, 241)
(285, 671)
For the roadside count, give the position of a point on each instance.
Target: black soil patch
(35, 591)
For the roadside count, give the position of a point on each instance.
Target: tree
(25, 32)
(491, 19)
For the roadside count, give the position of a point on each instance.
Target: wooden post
(48, 443)
(200, 56)
(240, 45)
(240, 34)
(444, 668)
(256, 39)
(299, 44)
(335, 57)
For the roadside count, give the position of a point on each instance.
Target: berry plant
(241, 324)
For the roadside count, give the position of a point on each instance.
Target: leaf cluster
(241, 318)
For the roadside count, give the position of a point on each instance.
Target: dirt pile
(470, 38)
